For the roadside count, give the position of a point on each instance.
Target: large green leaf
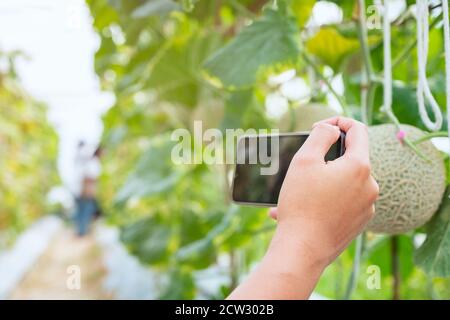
(269, 40)
(175, 76)
(199, 254)
(243, 110)
(154, 173)
(148, 239)
(237, 227)
(331, 47)
(434, 254)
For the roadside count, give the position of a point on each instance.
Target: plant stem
(234, 270)
(262, 230)
(338, 280)
(430, 289)
(243, 9)
(395, 268)
(293, 121)
(428, 136)
(257, 5)
(355, 267)
(402, 55)
(371, 101)
(393, 118)
(364, 98)
(234, 267)
(416, 150)
(367, 84)
(364, 41)
(408, 142)
(327, 83)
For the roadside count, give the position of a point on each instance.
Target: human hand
(324, 206)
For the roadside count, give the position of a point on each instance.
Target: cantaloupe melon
(411, 188)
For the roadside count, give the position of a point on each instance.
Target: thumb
(320, 140)
(273, 213)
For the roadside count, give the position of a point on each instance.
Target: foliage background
(28, 148)
(172, 62)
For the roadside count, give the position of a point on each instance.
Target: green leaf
(270, 40)
(238, 226)
(175, 76)
(154, 7)
(104, 13)
(245, 223)
(148, 239)
(154, 172)
(242, 110)
(434, 254)
(302, 10)
(331, 47)
(199, 254)
(180, 285)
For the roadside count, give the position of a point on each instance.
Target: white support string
(423, 88)
(447, 58)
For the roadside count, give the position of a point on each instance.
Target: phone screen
(257, 181)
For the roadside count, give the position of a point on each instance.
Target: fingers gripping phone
(262, 162)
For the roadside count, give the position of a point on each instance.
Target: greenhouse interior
(224, 149)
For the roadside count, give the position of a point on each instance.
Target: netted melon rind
(411, 188)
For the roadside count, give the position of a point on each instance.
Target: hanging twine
(447, 58)
(423, 88)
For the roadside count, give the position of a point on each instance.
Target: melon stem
(407, 141)
(431, 135)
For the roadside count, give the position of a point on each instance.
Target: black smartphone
(262, 162)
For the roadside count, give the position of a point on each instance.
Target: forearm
(288, 271)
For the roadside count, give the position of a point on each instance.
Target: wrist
(289, 270)
(294, 244)
(292, 257)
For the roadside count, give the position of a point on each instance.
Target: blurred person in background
(88, 169)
